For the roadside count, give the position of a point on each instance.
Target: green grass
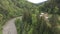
(0, 29)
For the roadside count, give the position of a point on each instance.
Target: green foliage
(31, 22)
(18, 25)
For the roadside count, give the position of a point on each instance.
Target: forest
(41, 18)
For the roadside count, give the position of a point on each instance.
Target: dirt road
(9, 27)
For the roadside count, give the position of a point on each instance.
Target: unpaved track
(9, 27)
